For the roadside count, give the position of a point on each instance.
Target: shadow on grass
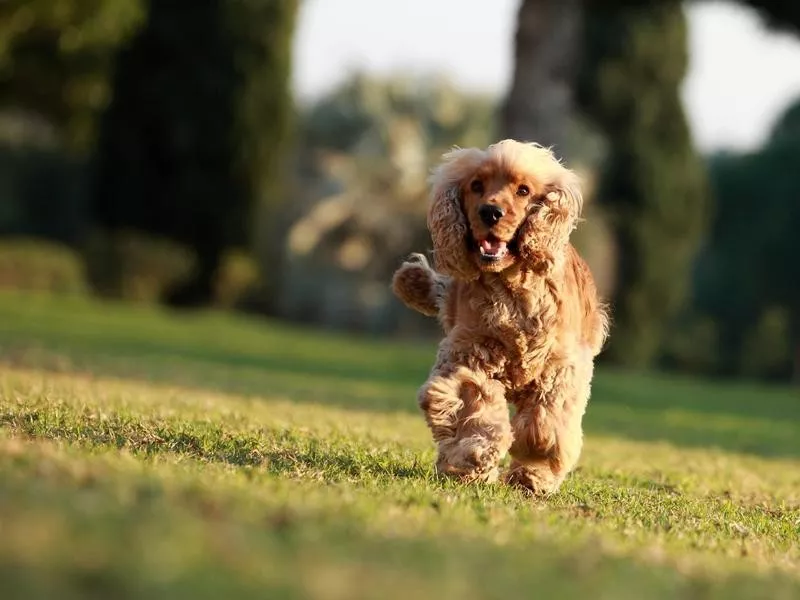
(738, 418)
(281, 453)
(307, 382)
(735, 417)
(380, 368)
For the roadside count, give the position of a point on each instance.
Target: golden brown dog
(520, 311)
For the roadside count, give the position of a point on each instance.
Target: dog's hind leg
(468, 416)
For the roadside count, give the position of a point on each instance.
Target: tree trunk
(546, 50)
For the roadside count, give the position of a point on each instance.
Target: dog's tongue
(492, 247)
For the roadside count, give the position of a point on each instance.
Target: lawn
(145, 454)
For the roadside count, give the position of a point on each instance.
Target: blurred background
(270, 156)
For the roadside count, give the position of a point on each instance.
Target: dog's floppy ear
(546, 231)
(446, 220)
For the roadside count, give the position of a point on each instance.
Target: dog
(520, 311)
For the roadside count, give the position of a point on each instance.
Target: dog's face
(496, 202)
(512, 203)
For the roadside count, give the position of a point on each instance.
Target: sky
(741, 74)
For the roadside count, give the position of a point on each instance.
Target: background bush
(134, 266)
(38, 265)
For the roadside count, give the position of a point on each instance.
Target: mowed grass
(145, 454)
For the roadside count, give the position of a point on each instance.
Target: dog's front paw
(537, 480)
(470, 459)
(414, 283)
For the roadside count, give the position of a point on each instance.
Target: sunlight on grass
(148, 455)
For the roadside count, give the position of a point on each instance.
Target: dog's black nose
(490, 214)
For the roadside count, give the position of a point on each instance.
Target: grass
(147, 454)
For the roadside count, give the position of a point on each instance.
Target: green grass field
(150, 455)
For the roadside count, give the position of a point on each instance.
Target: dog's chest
(519, 322)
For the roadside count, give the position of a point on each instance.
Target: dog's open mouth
(493, 249)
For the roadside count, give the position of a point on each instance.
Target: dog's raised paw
(419, 259)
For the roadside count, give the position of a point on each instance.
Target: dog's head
(511, 204)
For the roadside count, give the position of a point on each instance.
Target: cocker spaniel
(520, 312)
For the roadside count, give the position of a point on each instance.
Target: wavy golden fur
(520, 312)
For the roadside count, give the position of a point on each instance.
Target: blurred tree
(366, 152)
(780, 14)
(55, 70)
(539, 104)
(55, 60)
(720, 290)
(653, 184)
(540, 107)
(363, 105)
(43, 194)
(783, 155)
(748, 275)
(193, 143)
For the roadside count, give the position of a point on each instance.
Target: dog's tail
(419, 286)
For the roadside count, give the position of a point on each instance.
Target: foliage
(653, 186)
(766, 348)
(193, 142)
(43, 194)
(56, 58)
(779, 14)
(692, 345)
(236, 279)
(362, 106)
(786, 129)
(748, 268)
(134, 266)
(187, 479)
(37, 265)
(367, 150)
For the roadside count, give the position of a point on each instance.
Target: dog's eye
(477, 186)
(523, 190)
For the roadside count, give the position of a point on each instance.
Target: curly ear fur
(446, 220)
(545, 234)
